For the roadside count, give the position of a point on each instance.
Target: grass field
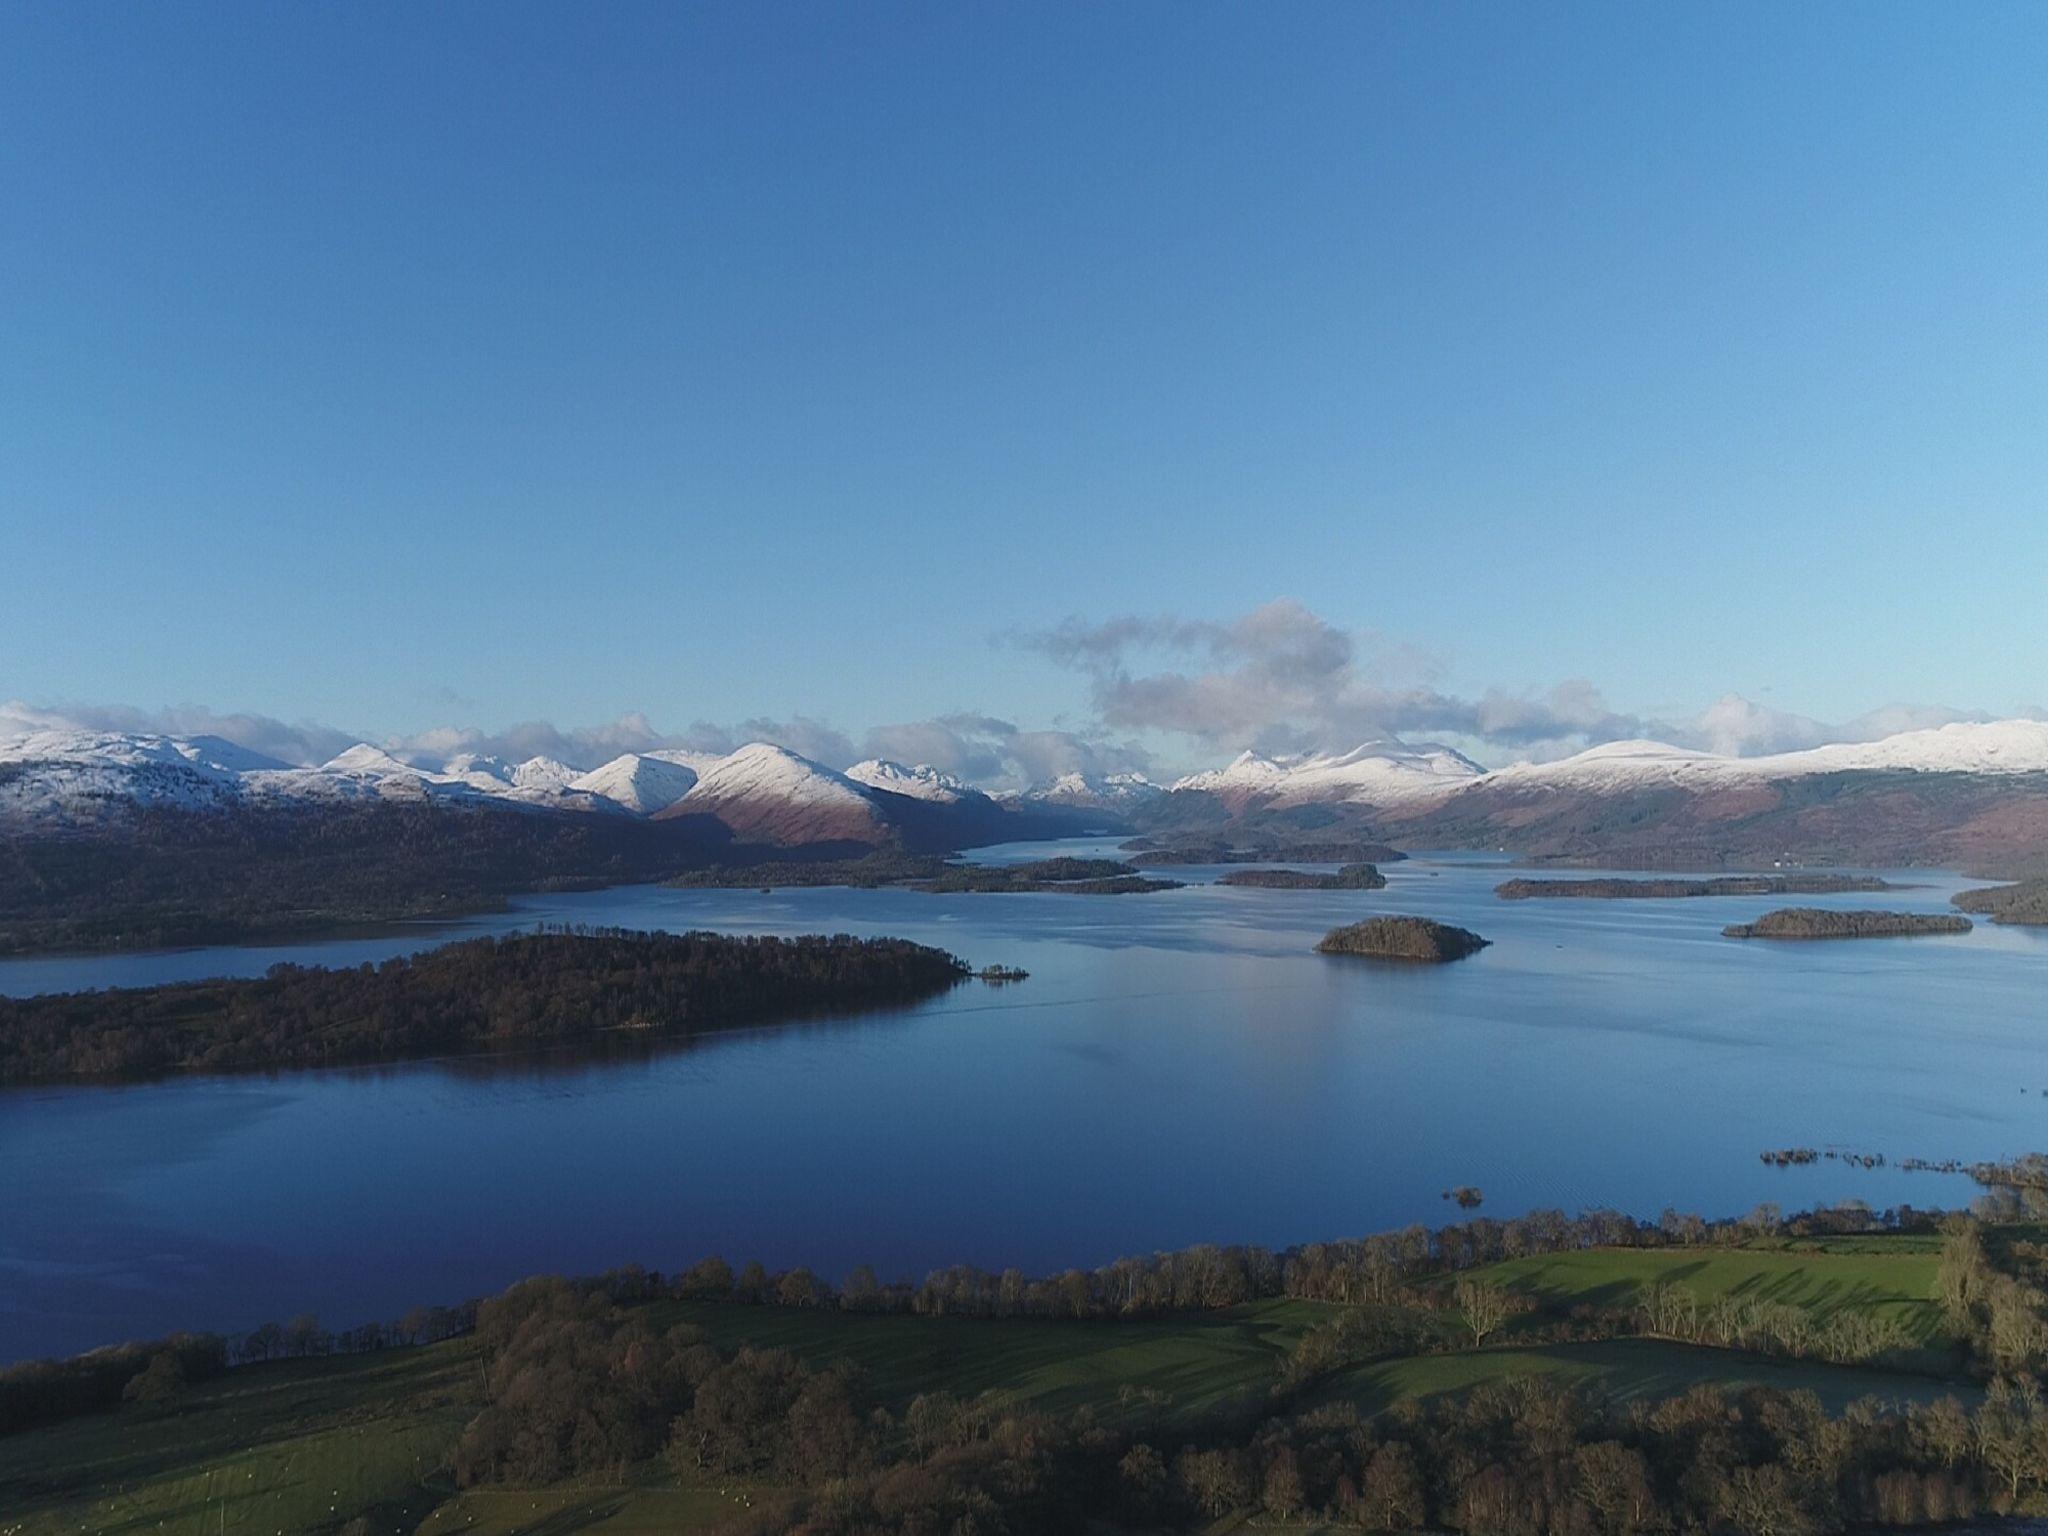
(1627, 1369)
(307, 1445)
(1196, 1362)
(1893, 1277)
(296, 1446)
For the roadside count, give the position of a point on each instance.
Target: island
(1352, 877)
(1725, 885)
(2024, 903)
(556, 988)
(931, 874)
(1819, 923)
(1073, 877)
(1403, 938)
(1146, 850)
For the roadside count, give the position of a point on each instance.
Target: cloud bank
(1278, 679)
(1282, 679)
(982, 749)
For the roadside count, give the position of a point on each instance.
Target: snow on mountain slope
(84, 776)
(641, 784)
(542, 773)
(1093, 792)
(489, 775)
(1247, 773)
(1990, 747)
(923, 782)
(364, 759)
(2000, 747)
(1626, 765)
(769, 794)
(699, 763)
(1378, 772)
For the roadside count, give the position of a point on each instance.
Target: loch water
(1179, 1068)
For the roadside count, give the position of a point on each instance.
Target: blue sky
(403, 366)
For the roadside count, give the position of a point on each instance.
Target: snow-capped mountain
(543, 774)
(366, 761)
(923, 782)
(769, 794)
(699, 763)
(1381, 772)
(88, 775)
(2001, 747)
(1121, 792)
(640, 783)
(1247, 773)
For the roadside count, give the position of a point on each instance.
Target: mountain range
(1961, 791)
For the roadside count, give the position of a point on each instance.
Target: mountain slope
(923, 782)
(638, 783)
(768, 794)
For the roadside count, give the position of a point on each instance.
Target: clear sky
(400, 365)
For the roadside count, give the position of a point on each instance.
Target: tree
(1761, 1501)
(159, 1382)
(1485, 1307)
(1960, 1279)
(2008, 1430)
(302, 1335)
(1390, 1495)
(1141, 1483)
(1613, 1481)
(1281, 1491)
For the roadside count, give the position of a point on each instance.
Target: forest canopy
(539, 989)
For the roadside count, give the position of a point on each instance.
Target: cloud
(305, 742)
(993, 752)
(1282, 679)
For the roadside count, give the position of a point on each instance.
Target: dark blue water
(1179, 1068)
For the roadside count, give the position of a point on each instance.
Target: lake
(1179, 1068)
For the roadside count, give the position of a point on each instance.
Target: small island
(1352, 877)
(1075, 877)
(1726, 885)
(997, 974)
(1819, 923)
(1403, 938)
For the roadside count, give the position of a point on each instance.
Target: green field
(1196, 1362)
(307, 1445)
(1628, 1369)
(1889, 1276)
(300, 1445)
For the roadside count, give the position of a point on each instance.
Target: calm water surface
(1179, 1068)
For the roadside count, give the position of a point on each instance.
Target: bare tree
(1485, 1307)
